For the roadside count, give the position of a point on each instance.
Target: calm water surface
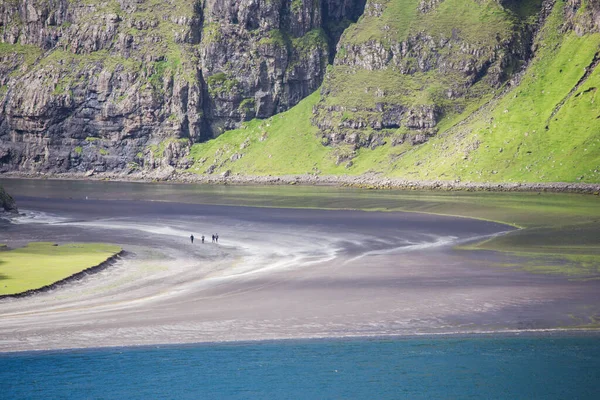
(442, 368)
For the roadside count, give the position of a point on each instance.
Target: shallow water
(417, 368)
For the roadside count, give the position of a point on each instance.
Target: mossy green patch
(475, 21)
(41, 264)
(560, 246)
(220, 83)
(158, 150)
(316, 38)
(575, 266)
(28, 53)
(275, 37)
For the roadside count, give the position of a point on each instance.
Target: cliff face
(130, 84)
(408, 65)
(261, 57)
(125, 85)
(91, 85)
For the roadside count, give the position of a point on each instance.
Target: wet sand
(276, 273)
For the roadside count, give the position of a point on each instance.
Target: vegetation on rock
(535, 121)
(470, 90)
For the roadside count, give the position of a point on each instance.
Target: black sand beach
(276, 273)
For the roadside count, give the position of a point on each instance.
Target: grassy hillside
(546, 128)
(283, 144)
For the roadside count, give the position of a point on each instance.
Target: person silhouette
(202, 238)
(192, 238)
(217, 237)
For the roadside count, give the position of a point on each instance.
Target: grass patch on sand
(43, 263)
(583, 266)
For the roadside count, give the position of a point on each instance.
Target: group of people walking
(215, 238)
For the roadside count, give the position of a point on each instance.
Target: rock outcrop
(393, 82)
(583, 16)
(122, 85)
(129, 85)
(7, 203)
(261, 57)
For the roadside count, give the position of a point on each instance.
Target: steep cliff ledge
(408, 66)
(451, 89)
(120, 85)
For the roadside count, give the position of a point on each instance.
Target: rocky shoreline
(75, 277)
(370, 181)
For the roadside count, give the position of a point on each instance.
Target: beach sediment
(367, 181)
(293, 273)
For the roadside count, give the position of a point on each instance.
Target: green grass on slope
(479, 26)
(542, 130)
(474, 21)
(284, 144)
(29, 53)
(40, 264)
(518, 138)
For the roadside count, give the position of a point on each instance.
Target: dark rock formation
(261, 57)
(129, 84)
(583, 16)
(124, 85)
(7, 203)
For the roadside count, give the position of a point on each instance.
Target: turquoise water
(417, 368)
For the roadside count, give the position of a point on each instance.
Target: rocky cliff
(129, 84)
(480, 91)
(425, 61)
(133, 85)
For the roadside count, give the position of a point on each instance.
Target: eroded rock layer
(124, 85)
(129, 84)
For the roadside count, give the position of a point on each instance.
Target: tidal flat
(301, 262)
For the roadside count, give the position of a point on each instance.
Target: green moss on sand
(40, 264)
(559, 232)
